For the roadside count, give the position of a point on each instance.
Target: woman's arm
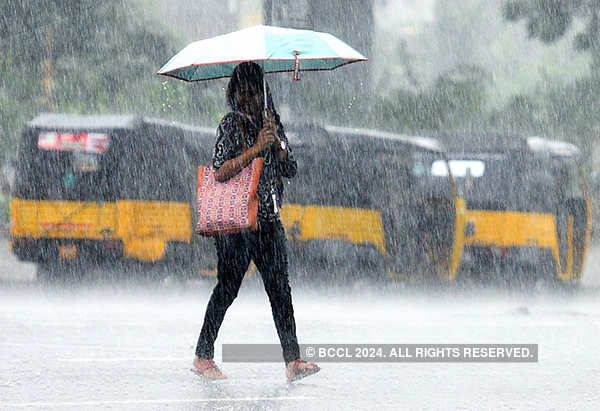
(232, 167)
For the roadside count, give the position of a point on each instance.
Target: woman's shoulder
(229, 126)
(229, 122)
(229, 119)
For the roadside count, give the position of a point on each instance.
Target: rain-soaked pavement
(124, 346)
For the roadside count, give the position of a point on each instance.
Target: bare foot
(207, 369)
(299, 369)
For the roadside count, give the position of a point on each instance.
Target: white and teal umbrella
(276, 49)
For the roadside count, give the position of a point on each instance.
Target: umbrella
(276, 49)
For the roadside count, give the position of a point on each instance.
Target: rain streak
(278, 204)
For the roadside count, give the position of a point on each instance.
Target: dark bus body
(528, 207)
(364, 202)
(95, 189)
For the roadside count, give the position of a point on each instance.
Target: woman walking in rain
(264, 137)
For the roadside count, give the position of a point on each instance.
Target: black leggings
(267, 248)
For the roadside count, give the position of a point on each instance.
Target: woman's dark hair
(249, 73)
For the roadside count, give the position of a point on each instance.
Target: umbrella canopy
(276, 49)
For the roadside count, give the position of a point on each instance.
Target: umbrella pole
(264, 85)
(265, 90)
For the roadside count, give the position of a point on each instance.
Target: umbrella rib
(348, 60)
(169, 74)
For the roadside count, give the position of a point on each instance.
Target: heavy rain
(431, 206)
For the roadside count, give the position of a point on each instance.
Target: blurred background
(524, 67)
(518, 65)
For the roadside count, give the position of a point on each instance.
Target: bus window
(68, 166)
(459, 168)
(328, 176)
(156, 173)
(85, 162)
(575, 187)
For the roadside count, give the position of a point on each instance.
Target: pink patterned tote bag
(230, 206)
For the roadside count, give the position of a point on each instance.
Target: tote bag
(230, 206)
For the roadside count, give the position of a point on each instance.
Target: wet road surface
(130, 346)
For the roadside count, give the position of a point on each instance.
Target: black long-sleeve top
(229, 145)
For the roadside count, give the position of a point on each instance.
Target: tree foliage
(455, 101)
(549, 20)
(84, 56)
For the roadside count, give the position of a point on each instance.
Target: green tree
(455, 101)
(549, 20)
(85, 56)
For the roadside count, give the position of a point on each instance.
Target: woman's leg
(270, 256)
(233, 260)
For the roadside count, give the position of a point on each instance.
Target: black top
(229, 145)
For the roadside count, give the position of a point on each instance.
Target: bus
(121, 191)
(365, 202)
(99, 189)
(528, 206)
